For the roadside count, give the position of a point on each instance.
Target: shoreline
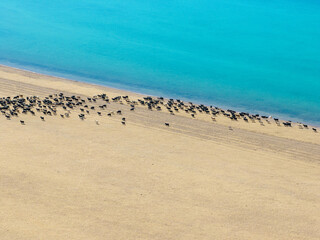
(89, 89)
(134, 90)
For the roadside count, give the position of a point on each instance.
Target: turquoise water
(253, 55)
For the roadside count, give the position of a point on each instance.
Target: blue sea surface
(250, 55)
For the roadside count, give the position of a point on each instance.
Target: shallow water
(250, 55)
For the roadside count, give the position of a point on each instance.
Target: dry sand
(197, 179)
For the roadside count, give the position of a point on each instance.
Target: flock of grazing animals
(14, 106)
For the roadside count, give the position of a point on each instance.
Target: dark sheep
(287, 124)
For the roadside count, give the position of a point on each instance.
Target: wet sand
(67, 178)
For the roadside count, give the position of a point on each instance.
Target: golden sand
(197, 179)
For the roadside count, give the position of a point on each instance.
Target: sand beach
(131, 170)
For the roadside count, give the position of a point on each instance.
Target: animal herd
(51, 105)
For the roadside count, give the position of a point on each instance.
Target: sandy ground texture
(66, 178)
